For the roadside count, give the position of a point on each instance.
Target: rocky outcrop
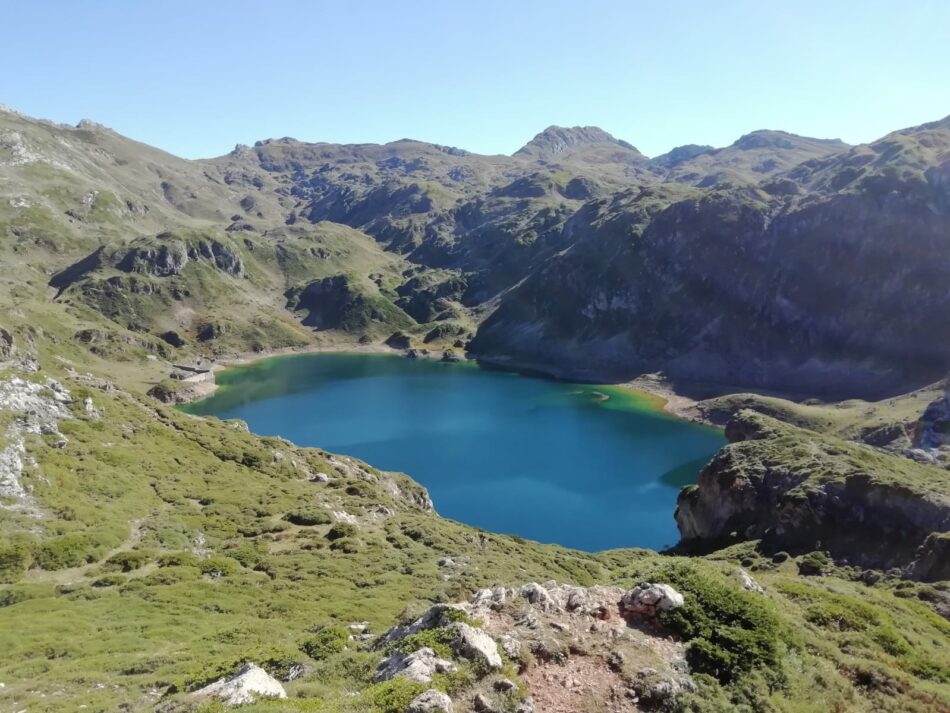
(431, 701)
(474, 644)
(162, 260)
(398, 340)
(247, 685)
(651, 599)
(7, 344)
(338, 302)
(933, 559)
(557, 140)
(931, 440)
(584, 644)
(34, 407)
(798, 490)
(419, 666)
(738, 287)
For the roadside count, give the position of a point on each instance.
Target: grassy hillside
(144, 571)
(145, 552)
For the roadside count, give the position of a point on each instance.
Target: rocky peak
(557, 140)
(90, 125)
(768, 139)
(682, 153)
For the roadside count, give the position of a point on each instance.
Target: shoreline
(655, 385)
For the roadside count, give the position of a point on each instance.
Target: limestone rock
(481, 704)
(651, 599)
(432, 701)
(475, 645)
(7, 344)
(434, 617)
(419, 666)
(247, 685)
(539, 596)
(748, 583)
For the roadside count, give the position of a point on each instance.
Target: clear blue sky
(197, 77)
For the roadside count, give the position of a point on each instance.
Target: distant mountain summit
(769, 139)
(558, 140)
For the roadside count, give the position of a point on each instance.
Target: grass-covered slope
(801, 490)
(154, 551)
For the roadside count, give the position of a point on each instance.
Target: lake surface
(590, 467)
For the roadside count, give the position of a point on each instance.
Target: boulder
(432, 701)
(419, 666)
(475, 645)
(398, 340)
(247, 685)
(481, 704)
(539, 597)
(511, 645)
(435, 616)
(651, 599)
(7, 344)
(748, 583)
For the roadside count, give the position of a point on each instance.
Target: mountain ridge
(153, 553)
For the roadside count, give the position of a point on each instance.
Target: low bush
(308, 516)
(392, 696)
(328, 641)
(16, 556)
(341, 530)
(731, 632)
(128, 561)
(64, 551)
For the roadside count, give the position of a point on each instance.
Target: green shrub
(341, 530)
(392, 696)
(308, 516)
(347, 545)
(218, 566)
(23, 592)
(731, 632)
(110, 580)
(128, 561)
(814, 563)
(64, 551)
(438, 639)
(178, 559)
(328, 641)
(16, 556)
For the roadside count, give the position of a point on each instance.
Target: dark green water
(589, 467)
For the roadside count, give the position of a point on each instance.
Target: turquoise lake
(584, 466)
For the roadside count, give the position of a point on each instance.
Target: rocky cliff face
(779, 261)
(801, 491)
(826, 293)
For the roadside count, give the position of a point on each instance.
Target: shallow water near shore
(584, 466)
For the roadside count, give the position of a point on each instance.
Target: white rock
(419, 666)
(511, 645)
(749, 584)
(539, 597)
(432, 701)
(475, 645)
(247, 685)
(651, 599)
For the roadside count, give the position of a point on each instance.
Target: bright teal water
(584, 466)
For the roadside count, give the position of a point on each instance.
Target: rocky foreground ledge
(545, 648)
